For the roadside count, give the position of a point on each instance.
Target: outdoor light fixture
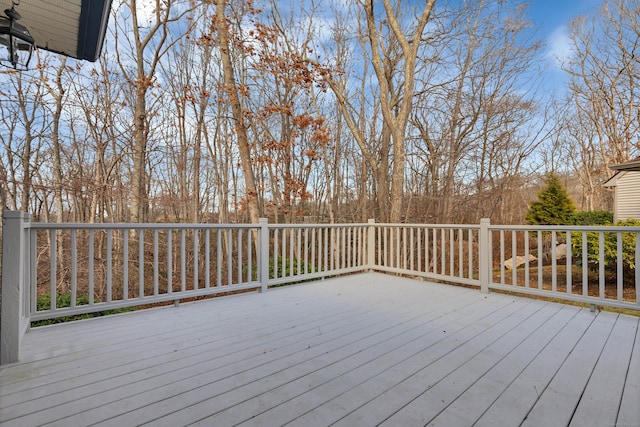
(16, 44)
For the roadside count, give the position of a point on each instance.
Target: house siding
(628, 196)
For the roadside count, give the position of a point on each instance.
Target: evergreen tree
(553, 207)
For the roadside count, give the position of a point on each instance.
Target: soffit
(74, 28)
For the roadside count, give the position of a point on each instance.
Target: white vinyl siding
(628, 195)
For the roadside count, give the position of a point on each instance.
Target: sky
(552, 17)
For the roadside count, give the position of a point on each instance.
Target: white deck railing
(590, 264)
(55, 270)
(438, 252)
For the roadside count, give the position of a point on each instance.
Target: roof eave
(631, 165)
(94, 15)
(612, 182)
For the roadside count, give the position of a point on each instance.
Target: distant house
(626, 184)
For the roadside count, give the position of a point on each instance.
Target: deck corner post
(263, 254)
(484, 242)
(14, 317)
(371, 238)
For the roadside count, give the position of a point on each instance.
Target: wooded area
(327, 111)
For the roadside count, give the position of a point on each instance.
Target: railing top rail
(606, 228)
(409, 225)
(380, 224)
(184, 226)
(135, 226)
(353, 225)
(173, 226)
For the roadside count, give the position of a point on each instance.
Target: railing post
(13, 319)
(263, 254)
(371, 244)
(484, 242)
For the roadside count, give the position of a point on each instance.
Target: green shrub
(610, 247)
(64, 300)
(593, 218)
(553, 207)
(290, 267)
(44, 303)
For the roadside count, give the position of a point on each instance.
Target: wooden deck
(365, 350)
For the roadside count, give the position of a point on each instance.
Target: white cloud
(560, 48)
(321, 26)
(146, 10)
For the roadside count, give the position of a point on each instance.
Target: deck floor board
(558, 401)
(607, 379)
(629, 408)
(487, 385)
(516, 400)
(365, 349)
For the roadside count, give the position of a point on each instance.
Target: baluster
(53, 267)
(74, 268)
(196, 258)
(569, 264)
(91, 272)
(183, 260)
(514, 254)
(554, 269)
(601, 281)
(207, 258)
(109, 265)
(451, 253)
(141, 263)
(502, 272)
(155, 262)
(229, 256)
(125, 264)
(170, 261)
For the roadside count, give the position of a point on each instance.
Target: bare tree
(26, 117)
(144, 40)
(604, 87)
(396, 103)
(221, 25)
(100, 141)
(473, 116)
(57, 92)
(393, 46)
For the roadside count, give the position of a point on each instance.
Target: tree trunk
(237, 111)
(139, 199)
